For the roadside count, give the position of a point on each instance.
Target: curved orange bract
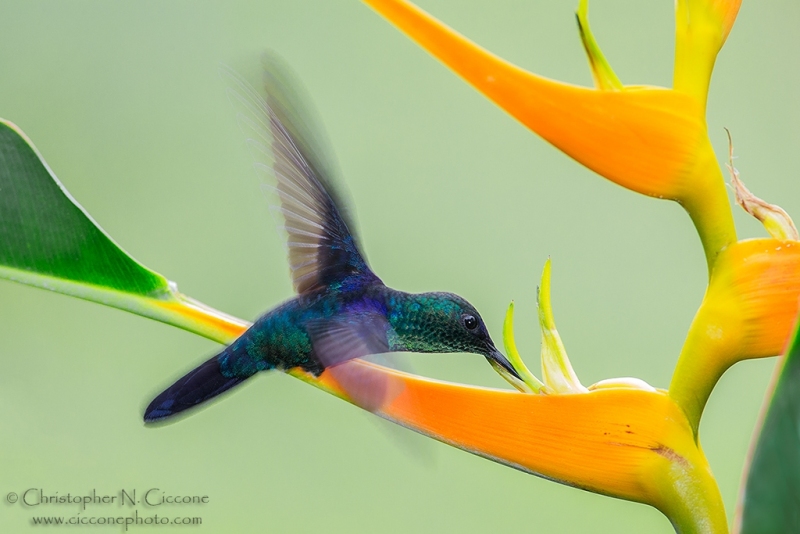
(625, 443)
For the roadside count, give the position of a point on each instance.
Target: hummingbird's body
(283, 337)
(342, 310)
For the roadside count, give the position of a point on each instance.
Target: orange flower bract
(626, 443)
(651, 140)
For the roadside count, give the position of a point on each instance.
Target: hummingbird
(342, 310)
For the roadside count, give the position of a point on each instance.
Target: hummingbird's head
(445, 322)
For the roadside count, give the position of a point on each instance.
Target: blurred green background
(124, 102)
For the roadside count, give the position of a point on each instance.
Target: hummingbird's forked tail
(196, 387)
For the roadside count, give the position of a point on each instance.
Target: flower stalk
(701, 28)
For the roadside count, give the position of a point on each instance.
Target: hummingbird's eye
(470, 322)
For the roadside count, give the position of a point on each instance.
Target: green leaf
(48, 240)
(45, 233)
(770, 502)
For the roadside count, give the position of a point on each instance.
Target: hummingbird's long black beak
(504, 367)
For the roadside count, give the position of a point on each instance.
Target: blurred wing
(323, 248)
(348, 336)
(343, 338)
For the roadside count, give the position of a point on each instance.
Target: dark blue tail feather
(198, 386)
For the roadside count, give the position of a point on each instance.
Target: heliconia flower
(559, 376)
(748, 311)
(648, 139)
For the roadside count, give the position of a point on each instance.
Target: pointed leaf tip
(66, 243)
(48, 240)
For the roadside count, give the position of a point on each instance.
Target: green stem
(694, 489)
(711, 347)
(696, 374)
(697, 42)
(709, 208)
